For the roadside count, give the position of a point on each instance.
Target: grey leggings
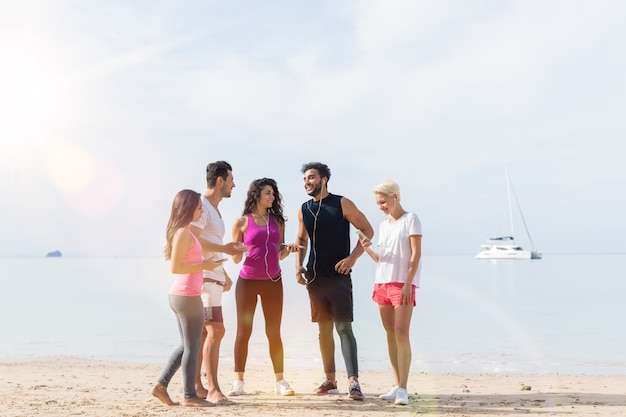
(348, 346)
(190, 321)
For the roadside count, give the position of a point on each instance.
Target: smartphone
(360, 233)
(283, 245)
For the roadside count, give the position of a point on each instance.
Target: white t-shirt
(213, 230)
(394, 249)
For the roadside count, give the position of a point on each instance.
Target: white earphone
(313, 237)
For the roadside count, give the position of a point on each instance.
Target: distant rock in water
(54, 254)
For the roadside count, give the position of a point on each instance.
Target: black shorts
(331, 299)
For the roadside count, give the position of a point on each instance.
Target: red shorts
(389, 294)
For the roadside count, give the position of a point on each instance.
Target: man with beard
(325, 222)
(210, 231)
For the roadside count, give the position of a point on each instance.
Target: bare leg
(387, 315)
(215, 334)
(403, 314)
(160, 392)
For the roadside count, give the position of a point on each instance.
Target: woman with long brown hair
(261, 228)
(184, 252)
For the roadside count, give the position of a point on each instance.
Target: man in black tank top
(324, 221)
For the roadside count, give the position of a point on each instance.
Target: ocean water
(564, 313)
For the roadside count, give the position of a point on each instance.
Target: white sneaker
(283, 388)
(402, 397)
(237, 388)
(391, 395)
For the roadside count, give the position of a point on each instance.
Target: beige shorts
(212, 301)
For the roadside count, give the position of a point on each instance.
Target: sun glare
(91, 185)
(70, 168)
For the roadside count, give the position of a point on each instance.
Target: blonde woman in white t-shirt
(398, 264)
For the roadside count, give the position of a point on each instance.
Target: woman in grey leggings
(185, 254)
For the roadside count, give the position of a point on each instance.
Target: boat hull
(505, 253)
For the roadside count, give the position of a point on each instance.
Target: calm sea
(564, 313)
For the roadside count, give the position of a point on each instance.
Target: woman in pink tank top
(185, 255)
(261, 228)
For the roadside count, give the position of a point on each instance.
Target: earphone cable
(313, 238)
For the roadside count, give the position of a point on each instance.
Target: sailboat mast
(511, 190)
(508, 192)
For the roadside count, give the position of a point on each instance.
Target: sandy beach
(62, 386)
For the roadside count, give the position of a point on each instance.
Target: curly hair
(254, 192)
(322, 169)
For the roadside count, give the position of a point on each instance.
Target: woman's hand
(365, 241)
(406, 294)
(291, 247)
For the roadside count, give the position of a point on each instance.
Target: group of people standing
(195, 248)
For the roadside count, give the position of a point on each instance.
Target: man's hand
(345, 265)
(300, 276)
(235, 248)
(228, 283)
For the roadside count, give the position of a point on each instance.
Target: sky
(108, 108)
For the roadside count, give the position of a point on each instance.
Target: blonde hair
(388, 188)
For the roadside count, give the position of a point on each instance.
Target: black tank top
(329, 234)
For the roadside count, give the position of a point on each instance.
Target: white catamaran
(504, 247)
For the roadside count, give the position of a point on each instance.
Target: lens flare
(70, 168)
(91, 185)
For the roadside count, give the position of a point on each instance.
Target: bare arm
(302, 239)
(358, 220)
(230, 248)
(367, 246)
(414, 262)
(416, 255)
(284, 250)
(181, 243)
(228, 282)
(239, 228)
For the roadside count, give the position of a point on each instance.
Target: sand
(65, 386)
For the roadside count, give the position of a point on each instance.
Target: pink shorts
(389, 294)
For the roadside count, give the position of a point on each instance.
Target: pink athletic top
(262, 259)
(189, 285)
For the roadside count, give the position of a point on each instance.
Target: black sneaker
(355, 391)
(327, 387)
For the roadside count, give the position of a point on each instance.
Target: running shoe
(236, 389)
(402, 397)
(391, 395)
(355, 391)
(327, 387)
(283, 388)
